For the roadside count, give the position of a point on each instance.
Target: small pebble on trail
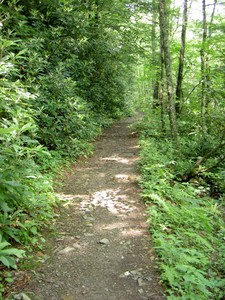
(104, 242)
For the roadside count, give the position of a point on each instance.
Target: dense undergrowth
(185, 217)
(61, 82)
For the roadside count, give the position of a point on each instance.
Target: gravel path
(102, 249)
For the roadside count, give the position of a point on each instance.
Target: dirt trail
(102, 250)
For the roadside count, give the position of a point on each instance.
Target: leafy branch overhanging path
(102, 250)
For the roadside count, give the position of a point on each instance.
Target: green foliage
(8, 258)
(65, 121)
(23, 189)
(186, 224)
(26, 195)
(77, 72)
(8, 254)
(183, 185)
(64, 69)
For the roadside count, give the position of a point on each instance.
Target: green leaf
(12, 251)
(5, 261)
(27, 126)
(13, 183)
(9, 262)
(6, 130)
(3, 245)
(4, 206)
(9, 280)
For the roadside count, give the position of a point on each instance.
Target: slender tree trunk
(155, 57)
(212, 18)
(208, 81)
(181, 59)
(162, 86)
(165, 45)
(161, 94)
(204, 67)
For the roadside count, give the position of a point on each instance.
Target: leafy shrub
(8, 254)
(61, 82)
(8, 257)
(26, 196)
(65, 121)
(187, 227)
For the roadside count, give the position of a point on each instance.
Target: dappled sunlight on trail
(110, 199)
(102, 248)
(114, 200)
(117, 159)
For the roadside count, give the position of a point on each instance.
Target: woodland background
(68, 68)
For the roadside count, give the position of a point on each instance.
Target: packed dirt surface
(102, 249)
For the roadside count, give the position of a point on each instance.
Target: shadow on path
(102, 250)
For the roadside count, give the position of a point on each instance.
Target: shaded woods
(68, 69)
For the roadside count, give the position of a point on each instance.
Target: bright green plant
(26, 196)
(8, 258)
(186, 224)
(65, 121)
(8, 254)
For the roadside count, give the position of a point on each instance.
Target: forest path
(102, 250)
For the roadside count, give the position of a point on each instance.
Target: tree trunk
(162, 87)
(155, 57)
(165, 45)
(161, 95)
(204, 67)
(181, 59)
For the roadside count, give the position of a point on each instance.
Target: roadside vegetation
(186, 218)
(183, 145)
(64, 68)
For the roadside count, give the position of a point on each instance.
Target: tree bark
(155, 57)
(181, 59)
(165, 45)
(161, 95)
(204, 67)
(162, 87)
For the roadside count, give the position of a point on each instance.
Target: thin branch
(204, 158)
(193, 90)
(212, 18)
(216, 165)
(191, 173)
